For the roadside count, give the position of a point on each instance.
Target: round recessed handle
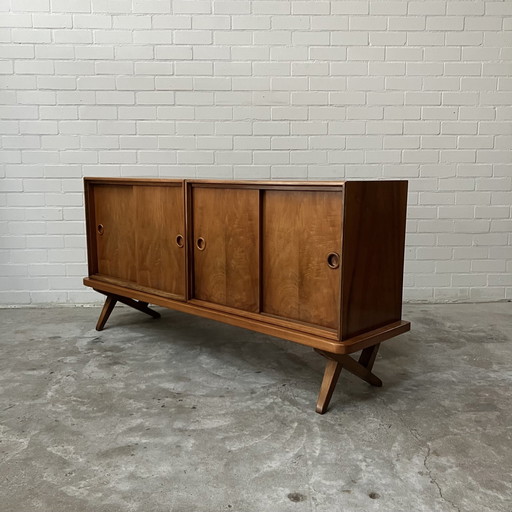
(101, 229)
(180, 241)
(201, 243)
(333, 260)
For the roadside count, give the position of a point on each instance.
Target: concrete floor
(187, 415)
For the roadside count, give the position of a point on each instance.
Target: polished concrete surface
(187, 415)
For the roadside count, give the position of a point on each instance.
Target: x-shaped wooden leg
(110, 303)
(335, 362)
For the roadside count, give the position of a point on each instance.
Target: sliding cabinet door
(115, 237)
(160, 238)
(139, 234)
(225, 233)
(301, 236)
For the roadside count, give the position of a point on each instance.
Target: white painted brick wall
(359, 89)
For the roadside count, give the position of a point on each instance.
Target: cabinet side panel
(372, 254)
(158, 222)
(115, 240)
(300, 229)
(90, 228)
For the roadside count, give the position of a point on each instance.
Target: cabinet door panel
(226, 269)
(158, 221)
(300, 230)
(115, 237)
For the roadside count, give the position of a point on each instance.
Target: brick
(242, 84)
(191, 7)
(173, 53)
(75, 97)
(388, 8)
(31, 6)
(232, 7)
(138, 142)
(96, 83)
(306, 7)
(289, 113)
(350, 7)
(133, 83)
(151, 98)
(151, 6)
(37, 97)
(91, 21)
(368, 23)
(137, 112)
(113, 68)
(194, 68)
(250, 53)
(70, 5)
(194, 37)
(131, 22)
(91, 112)
(365, 53)
(157, 157)
(340, 39)
(409, 23)
(201, 22)
(94, 52)
(251, 22)
(331, 22)
(445, 23)
(16, 20)
(134, 52)
(113, 37)
(217, 113)
(26, 35)
(365, 83)
(434, 253)
(233, 128)
(407, 83)
(211, 52)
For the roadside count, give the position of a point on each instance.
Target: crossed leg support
(335, 362)
(110, 303)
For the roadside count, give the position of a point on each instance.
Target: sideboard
(317, 263)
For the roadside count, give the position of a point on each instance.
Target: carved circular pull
(101, 229)
(180, 241)
(201, 243)
(333, 260)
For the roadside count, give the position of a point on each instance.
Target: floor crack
(435, 482)
(417, 436)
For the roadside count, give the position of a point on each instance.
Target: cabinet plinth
(317, 263)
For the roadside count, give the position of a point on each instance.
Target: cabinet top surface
(92, 179)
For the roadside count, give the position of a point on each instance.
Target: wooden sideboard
(317, 263)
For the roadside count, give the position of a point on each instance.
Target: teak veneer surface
(160, 260)
(226, 268)
(300, 230)
(373, 254)
(115, 236)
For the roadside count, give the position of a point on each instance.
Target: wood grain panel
(158, 221)
(227, 270)
(115, 240)
(300, 229)
(373, 254)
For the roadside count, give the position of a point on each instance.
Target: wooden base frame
(336, 353)
(110, 303)
(335, 363)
